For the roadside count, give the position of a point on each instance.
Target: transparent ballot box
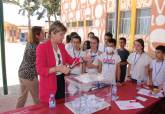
(87, 93)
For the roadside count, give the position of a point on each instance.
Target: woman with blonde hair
(27, 70)
(51, 62)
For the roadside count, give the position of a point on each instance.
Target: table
(126, 92)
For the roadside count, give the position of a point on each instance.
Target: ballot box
(87, 93)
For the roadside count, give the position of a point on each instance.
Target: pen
(133, 101)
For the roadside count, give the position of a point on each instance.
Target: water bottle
(114, 92)
(138, 86)
(52, 101)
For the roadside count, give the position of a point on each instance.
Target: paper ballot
(128, 104)
(88, 78)
(148, 93)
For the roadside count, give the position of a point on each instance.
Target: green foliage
(30, 6)
(16, 2)
(52, 7)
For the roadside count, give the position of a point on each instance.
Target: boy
(111, 62)
(123, 53)
(102, 47)
(158, 68)
(75, 52)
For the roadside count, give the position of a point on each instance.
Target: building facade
(136, 19)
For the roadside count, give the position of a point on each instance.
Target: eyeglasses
(59, 60)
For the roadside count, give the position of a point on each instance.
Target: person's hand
(87, 58)
(64, 69)
(128, 77)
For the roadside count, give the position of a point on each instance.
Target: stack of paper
(147, 92)
(87, 78)
(87, 104)
(128, 104)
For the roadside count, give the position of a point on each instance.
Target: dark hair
(161, 48)
(124, 39)
(35, 30)
(91, 33)
(56, 27)
(97, 39)
(109, 34)
(76, 37)
(112, 41)
(141, 41)
(73, 34)
(68, 38)
(88, 45)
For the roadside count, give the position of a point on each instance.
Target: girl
(27, 70)
(92, 65)
(138, 62)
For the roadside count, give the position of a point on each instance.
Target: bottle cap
(51, 95)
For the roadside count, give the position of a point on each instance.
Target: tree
(16, 2)
(51, 7)
(29, 6)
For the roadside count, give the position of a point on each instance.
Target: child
(102, 47)
(111, 62)
(158, 68)
(92, 65)
(123, 53)
(75, 52)
(138, 62)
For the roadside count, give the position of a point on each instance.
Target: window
(143, 21)
(89, 23)
(68, 24)
(12, 33)
(80, 23)
(74, 24)
(111, 23)
(125, 22)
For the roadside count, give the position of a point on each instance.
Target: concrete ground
(14, 55)
(8, 102)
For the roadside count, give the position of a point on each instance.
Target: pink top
(45, 59)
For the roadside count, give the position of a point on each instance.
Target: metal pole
(2, 53)
(116, 18)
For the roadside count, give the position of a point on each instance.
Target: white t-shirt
(103, 48)
(75, 54)
(138, 63)
(94, 61)
(68, 46)
(158, 72)
(109, 64)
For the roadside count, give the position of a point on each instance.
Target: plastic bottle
(114, 92)
(138, 86)
(52, 101)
